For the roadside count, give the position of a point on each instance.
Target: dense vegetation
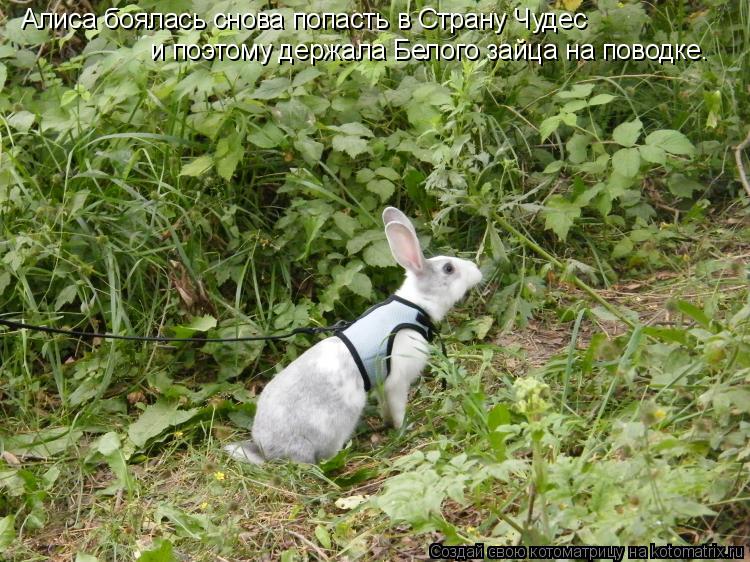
(596, 389)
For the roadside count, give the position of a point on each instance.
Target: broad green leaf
(202, 323)
(44, 443)
(360, 285)
(378, 254)
(207, 123)
(324, 538)
(7, 531)
(21, 121)
(3, 76)
(496, 440)
(353, 146)
(585, 197)
(669, 335)
(307, 75)
(362, 239)
(603, 314)
(197, 166)
(4, 281)
(653, 154)
(617, 185)
(349, 277)
(431, 93)
(626, 161)
(313, 224)
(577, 91)
(229, 152)
(66, 296)
(110, 447)
(712, 101)
(622, 248)
(384, 188)
(354, 129)
(671, 141)
(311, 150)
(271, 88)
(626, 134)
(499, 254)
(346, 223)
(476, 328)
(156, 419)
(413, 497)
(388, 173)
(85, 391)
(499, 415)
(687, 507)
(422, 115)
(68, 97)
(549, 126)
(15, 33)
(559, 214)
(81, 557)
(601, 99)
(161, 552)
(577, 146)
(233, 357)
(107, 443)
(692, 311)
(267, 136)
(185, 524)
(197, 324)
(682, 186)
(573, 106)
(78, 200)
(597, 166)
(553, 167)
(741, 399)
(291, 554)
(426, 102)
(569, 119)
(364, 175)
(198, 83)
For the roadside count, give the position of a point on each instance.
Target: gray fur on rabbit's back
(309, 410)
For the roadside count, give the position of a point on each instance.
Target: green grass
(600, 198)
(627, 432)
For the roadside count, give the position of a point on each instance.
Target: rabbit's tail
(245, 451)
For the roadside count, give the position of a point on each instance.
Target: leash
(340, 325)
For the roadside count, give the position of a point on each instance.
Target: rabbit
(309, 410)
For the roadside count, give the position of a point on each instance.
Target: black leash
(340, 325)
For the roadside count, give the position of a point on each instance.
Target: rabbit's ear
(405, 246)
(392, 214)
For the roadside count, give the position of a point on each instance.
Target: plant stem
(525, 240)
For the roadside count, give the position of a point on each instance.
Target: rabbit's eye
(448, 268)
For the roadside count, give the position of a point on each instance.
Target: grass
(185, 490)
(137, 197)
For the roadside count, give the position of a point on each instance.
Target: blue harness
(370, 337)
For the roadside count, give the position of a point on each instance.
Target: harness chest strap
(370, 337)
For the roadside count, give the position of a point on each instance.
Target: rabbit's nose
(476, 275)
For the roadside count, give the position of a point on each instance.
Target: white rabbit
(309, 410)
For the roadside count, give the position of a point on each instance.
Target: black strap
(311, 330)
(422, 316)
(423, 325)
